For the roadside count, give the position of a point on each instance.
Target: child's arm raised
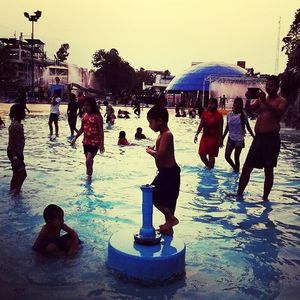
(74, 245)
(200, 127)
(101, 131)
(162, 151)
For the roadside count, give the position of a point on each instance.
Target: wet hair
(213, 101)
(122, 134)
(52, 211)
(274, 78)
(17, 112)
(158, 112)
(94, 107)
(72, 97)
(240, 102)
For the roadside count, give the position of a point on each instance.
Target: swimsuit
(264, 150)
(167, 184)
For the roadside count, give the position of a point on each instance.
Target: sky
(158, 34)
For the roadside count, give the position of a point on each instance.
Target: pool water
(235, 249)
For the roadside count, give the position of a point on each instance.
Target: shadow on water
(243, 229)
(259, 241)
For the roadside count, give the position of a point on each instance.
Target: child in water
(92, 128)
(15, 148)
(54, 113)
(112, 117)
(167, 181)
(72, 113)
(122, 139)
(139, 134)
(49, 240)
(212, 137)
(237, 122)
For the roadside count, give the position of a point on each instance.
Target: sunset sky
(158, 34)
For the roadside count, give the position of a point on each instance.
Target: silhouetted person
(223, 102)
(22, 98)
(265, 147)
(72, 113)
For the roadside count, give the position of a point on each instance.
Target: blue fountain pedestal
(148, 264)
(146, 256)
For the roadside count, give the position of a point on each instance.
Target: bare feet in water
(167, 232)
(168, 225)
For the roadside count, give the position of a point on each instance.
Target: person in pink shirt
(92, 128)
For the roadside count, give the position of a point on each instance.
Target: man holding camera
(265, 147)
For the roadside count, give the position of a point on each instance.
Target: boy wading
(167, 181)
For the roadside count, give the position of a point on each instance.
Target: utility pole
(32, 18)
(277, 47)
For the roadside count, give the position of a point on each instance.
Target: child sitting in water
(123, 114)
(122, 139)
(49, 240)
(167, 181)
(15, 148)
(139, 134)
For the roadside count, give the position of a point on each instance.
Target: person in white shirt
(237, 122)
(54, 113)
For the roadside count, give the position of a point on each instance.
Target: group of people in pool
(263, 153)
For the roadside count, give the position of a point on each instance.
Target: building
(46, 71)
(162, 80)
(211, 79)
(22, 53)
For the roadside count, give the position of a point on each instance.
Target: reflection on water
(235, 249)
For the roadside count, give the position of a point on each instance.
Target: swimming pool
(235, 250)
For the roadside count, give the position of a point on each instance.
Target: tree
(143, 76)
(112, 72)
(291, 40)
(62, 53)
(290, 79)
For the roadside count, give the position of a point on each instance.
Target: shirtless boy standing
(265, 147)
(167, 181)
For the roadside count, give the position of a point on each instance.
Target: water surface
(235, 249)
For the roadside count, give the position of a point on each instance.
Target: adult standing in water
(265, 147)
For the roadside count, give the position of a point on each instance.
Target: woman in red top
(211, 141)
(92, 128)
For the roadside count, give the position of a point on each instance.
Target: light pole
(32, 18)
